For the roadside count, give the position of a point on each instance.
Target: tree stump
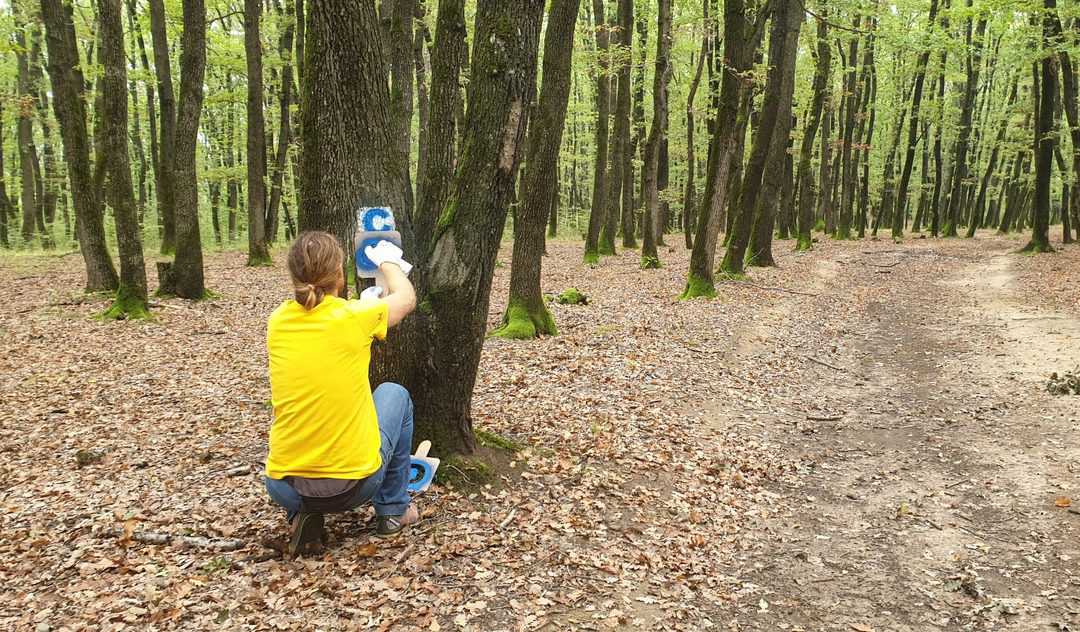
(166, 281)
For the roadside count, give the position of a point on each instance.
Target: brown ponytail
(315, 262)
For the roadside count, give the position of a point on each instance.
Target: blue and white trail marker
(422, 468)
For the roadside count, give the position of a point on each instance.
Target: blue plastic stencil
(373, 224)
(422, 468)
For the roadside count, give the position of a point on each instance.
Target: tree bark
(739, 46)
(603, 101)
(436, 172)
(5, 202)
(1072, 115)
(69, 105)
(28, 199)
(822, 65)
(690, 192)
(1044, 141)
(526, 314)
(166, 193)
(620, 154)
(402, 69)
(787, 20)
(650, 258)
(851, 110)
(976, 220)
(258, 249)
(285, 99)
(973, 64)
(913, 128)
(188, 265)
(130, 299)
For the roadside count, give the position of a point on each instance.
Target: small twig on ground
(826, 418)
(886, 265)
(768, 287)
(239, 470)
(826, 364)
(1039, 318)
(959, 482)
(509, 517)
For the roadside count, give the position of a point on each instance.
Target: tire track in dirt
(930, 504)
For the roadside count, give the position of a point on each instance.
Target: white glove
(372, 292)
(387, 252)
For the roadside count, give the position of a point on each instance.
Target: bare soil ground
(859, 439)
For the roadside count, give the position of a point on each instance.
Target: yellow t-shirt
(324, 417)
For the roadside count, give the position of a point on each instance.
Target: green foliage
(521, 323)
(650, 263)
(127, 305)
(489, 439)
(698, 287)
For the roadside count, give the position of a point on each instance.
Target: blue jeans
(387, 488)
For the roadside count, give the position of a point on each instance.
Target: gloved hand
(372, 292)
(387, 252)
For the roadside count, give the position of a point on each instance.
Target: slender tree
(188, 266)
(166, 192)
(258, 249)
(131, 294)
(972, 65)
(1044, 140)
(603, 101)
(526, 314)
(823, 62)
(650, 258)
(620, 150)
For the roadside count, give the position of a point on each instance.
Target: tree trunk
(976, 219)
(421, 38)
(935, 203)
(151, 109)
(526, 314)
(787, 20)
(739, 47)
(851, 110)
(166, 193)
(69, 105)
(281, 159)
(913, 129)
(45, 175)
(5, 202)
(822, 65)
(28, 200)
(603, 100)
(136, 129)
(867, 141)
(637, 141)
(825, 177)
(130, 299)
(1044, 141)
(973, 64)
(402, 69)
(188, 266)
(258, 249)
(1072, 115)
(690, 192)
(649, 256)
(620, 154)
(435, 174)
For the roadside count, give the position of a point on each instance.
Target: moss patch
(259, 260)
(1036, 246)
(591, 258)
(698, 287)
(519, 323)
(490, 439)
(127, 306)
(804, 244)
(572, 296)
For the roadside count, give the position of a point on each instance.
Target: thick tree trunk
(913, 128)
(435, 174)
(131, 294)
(188, 266)
(69, 105)
(421, 39)
(649, 256)
(526, 314)
(787, 20)
(1044, 141)
(402, 69)
(823, 62)
(1072, 115)
(603, 100)
(740, 43)
(166, 192)
(258, 249)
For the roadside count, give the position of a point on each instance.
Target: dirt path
(924, 495)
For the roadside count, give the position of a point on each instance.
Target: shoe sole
(311, 530)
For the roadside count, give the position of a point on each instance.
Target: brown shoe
(390, 526)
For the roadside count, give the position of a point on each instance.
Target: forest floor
(859, 439)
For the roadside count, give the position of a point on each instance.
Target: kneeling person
(335, 444)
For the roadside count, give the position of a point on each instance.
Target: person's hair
(315, 261)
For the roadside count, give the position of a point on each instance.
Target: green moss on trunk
(804, 244)
(521, 323)
(591, 258)
(127, 305)
(259, 259)
(697, 287)
(1036, 246)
